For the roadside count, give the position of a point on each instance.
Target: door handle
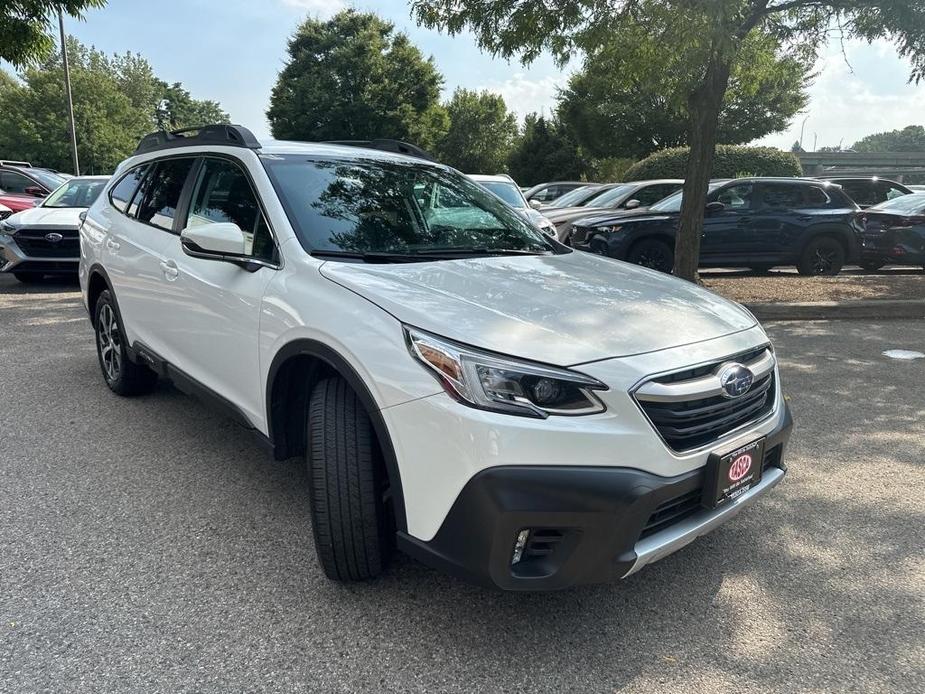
(112, 245)
(170, 270)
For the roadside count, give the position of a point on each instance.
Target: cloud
(861, 91)
(524, 94)
(322, 8)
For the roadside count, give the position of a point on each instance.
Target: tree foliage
(544, 152)
(117, 100)
(353, 77)
(481, 132)
(730, 161)
(639, 117)
(908, 139)
(701, 44)
(27, 26)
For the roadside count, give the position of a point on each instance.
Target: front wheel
(652, 253)
(123, 376)
(823, 256)
(347, 484)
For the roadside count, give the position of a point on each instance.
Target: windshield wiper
(480, 250)
(373, 256)
(421, 255)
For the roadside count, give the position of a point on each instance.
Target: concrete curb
(877, 309)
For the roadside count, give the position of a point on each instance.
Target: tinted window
(362, 205)
(783, 196)
(652, 194)
(223, 194)
(816, 197)
(507, 192)
(12, 182)
(122, 192)
(888, 191)
(863, 192)
(612, 196)
(738, 197)
(161, 193)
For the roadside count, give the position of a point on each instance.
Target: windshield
(46, 178)
(577, 197)
(367, 206)
(612, 196)
(506, 191)
(906, 204)
(75, 193)
(673, 202)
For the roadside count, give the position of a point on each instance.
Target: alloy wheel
(823, 261)
(110, 342)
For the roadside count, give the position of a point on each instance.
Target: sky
(232, 51)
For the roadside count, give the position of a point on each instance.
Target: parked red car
(21, 186)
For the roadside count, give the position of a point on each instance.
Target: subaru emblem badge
(735, 380)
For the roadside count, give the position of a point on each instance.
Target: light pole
(67, 89)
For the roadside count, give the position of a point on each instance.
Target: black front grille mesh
(32, 242)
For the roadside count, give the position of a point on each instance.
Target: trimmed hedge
(731, 161)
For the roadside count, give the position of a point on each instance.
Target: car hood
(559, 214)
(559, 309)
(602, 217)
(48, 217)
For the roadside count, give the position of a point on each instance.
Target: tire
(27, 277)
(823, 256)
(872, 265)
(123, 376)
(652, 253)
(346, 485)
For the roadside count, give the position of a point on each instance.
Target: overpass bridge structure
(894, 165)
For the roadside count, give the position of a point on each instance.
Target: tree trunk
(704, 105)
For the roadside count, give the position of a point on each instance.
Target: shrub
(730, 160)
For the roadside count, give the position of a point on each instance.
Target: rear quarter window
(121, 194)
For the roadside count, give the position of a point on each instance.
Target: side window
(652, 194)
(817, 197)
(888, 192)
(13, 182)
(161, 193)
(737, 197)
(223, 194)
(783, 196)
(121, 193)
(862, 192)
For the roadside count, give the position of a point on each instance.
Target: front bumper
(589, 524)
(15, 259)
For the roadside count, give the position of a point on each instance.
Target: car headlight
(504, 384)
(611, 228)
(6, 227)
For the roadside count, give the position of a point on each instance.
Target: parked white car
(504, 187)
(460, 385)
(43, 240)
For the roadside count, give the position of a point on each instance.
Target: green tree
(26, 27)
(544, 152)
(765, 92)
(481, 132)
(909, 139)
(352, 77)
(117, 100)
(701, 43)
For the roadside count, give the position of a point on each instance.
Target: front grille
(687, 504)
(32, 242)
(687, 411)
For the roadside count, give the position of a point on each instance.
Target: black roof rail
(227, 135)
(386, 145)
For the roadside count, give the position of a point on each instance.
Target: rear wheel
(823, 256)
(652, 253)
(347, 485)
(123, 376)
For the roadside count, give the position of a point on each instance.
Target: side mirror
(222, 241)
(82, 216)
(35, 191)
(536, 204)
(631, 204)
(715, 206)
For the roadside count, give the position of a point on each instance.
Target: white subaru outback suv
(461, 386)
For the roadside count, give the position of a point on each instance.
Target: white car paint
(223, 326)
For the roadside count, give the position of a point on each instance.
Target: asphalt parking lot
(149, 545)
